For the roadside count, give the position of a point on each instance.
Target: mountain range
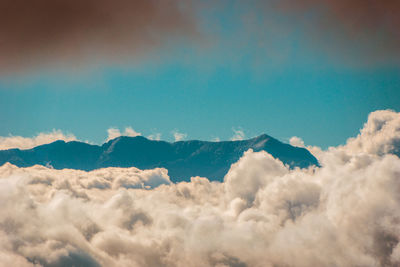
(183, 159)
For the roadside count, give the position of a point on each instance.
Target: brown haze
(374, 24)
(33, 33)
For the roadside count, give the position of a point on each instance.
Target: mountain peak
(183, 159)
(125, 137)
(142, 138)
(262, 137)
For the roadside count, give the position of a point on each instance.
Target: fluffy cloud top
(380, 135)
(296, 141)
(41, 139)
(344, 213)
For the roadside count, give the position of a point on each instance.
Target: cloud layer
(344, 213)
(20, 142)
(27, 143)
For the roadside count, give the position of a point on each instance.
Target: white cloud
(179, 136)
(380, 135)
(238, 135)
(28, 143)
(114, 133)
(344, 213)
(296, 141)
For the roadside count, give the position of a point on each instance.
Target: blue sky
(273, 77)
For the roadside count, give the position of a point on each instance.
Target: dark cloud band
(356, 24)
(36, 32)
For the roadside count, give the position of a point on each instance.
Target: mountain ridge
(183, 159)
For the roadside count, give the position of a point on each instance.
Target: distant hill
(183, 159)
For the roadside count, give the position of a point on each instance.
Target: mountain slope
(183, 159)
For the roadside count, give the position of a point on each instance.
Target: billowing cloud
(380, 135)
(115, 132)
(20, 142)
(33, 33)
(344, 213)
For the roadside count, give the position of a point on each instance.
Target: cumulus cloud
(178, 136)
(238, 135)
(380, 135)
(20, 142)
(344, 213)
(296, 141)
(114, 133)
(315, 150)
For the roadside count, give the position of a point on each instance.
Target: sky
(200, 69)
(323, 75)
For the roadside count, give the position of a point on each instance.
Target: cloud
(71, 33)
(370, 27)
(238, 135)
(45, 31)
(179, 136)
(344, 213)
(28, 143)
(380, 135)
(155, 136)
(296, 141)
(114, 133)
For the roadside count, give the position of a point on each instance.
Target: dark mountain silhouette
(183, 159)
